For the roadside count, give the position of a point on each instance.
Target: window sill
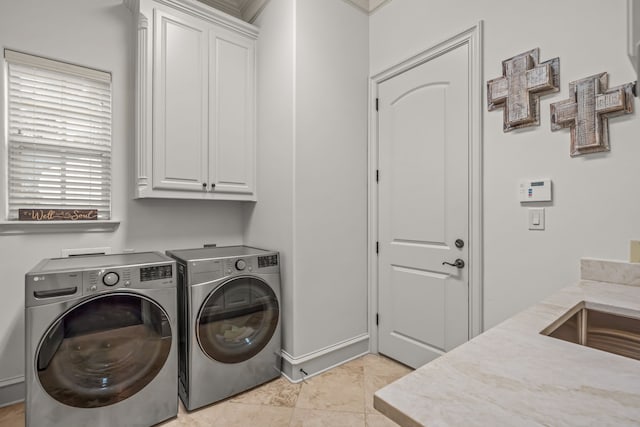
(41, 227)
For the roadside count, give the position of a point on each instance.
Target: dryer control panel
(200, 269)
(267, 261)
(239, 265)
(250, 264)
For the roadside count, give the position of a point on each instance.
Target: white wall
(99, 34)
(269, 221)
(330, 174)
(596, 207)
(312, 153)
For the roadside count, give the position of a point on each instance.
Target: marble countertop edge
(513, 375)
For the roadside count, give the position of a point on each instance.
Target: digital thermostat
(535, 190)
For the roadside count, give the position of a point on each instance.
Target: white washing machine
(229, 310)
(101, 341)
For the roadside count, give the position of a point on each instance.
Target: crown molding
(360, 4)
(200, 9)
(232, 7)
(368, 6)
(248, 10)
(377, 4)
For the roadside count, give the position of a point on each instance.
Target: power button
(110, 279)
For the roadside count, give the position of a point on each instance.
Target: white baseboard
(12, 390)
(322, 360)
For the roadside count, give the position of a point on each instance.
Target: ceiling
(247, 10)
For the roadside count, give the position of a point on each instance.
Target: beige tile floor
(340, 397)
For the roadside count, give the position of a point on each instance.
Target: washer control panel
(60, 279)
(156, 272)
(138, 277)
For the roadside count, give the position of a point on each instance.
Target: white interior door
(423, 197)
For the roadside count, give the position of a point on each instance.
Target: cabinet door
(232, 112)
(180, 88)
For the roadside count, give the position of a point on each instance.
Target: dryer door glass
(104, 350)
(237, 320)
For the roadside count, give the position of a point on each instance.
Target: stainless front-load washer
(101, 341)
(229, 309)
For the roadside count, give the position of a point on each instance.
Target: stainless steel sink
(599, 329)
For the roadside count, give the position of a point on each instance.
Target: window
(59, 138)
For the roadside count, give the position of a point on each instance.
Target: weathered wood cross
(587, 112)
(519, 89)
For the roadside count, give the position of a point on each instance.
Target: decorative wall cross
(587, 112)
(519, 89)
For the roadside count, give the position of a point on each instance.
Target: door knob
(457, 263)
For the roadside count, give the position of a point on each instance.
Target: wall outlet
(634, 253)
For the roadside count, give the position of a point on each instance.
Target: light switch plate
(536, 218)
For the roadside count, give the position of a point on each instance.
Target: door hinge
(377, 319)
(377, 175)
(377, 247)
(377, 104)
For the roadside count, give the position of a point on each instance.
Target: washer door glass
(104, 350)
(237, 320)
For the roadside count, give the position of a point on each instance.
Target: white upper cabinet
(195, 103)
(633, 33)
(179, 103)
(231, 112)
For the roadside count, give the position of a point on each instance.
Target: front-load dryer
(229, 309)
(101, 341)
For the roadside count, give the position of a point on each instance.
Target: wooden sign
(518, 91)
(587, 112)
(57, 214)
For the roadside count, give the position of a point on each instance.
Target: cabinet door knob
(213, 185)
(204, 185)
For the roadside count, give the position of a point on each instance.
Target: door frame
(472, 37)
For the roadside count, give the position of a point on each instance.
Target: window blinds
(59, 136)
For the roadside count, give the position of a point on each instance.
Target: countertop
(511, 375)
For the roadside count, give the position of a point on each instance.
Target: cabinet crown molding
(247, 10)
(205, 9)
